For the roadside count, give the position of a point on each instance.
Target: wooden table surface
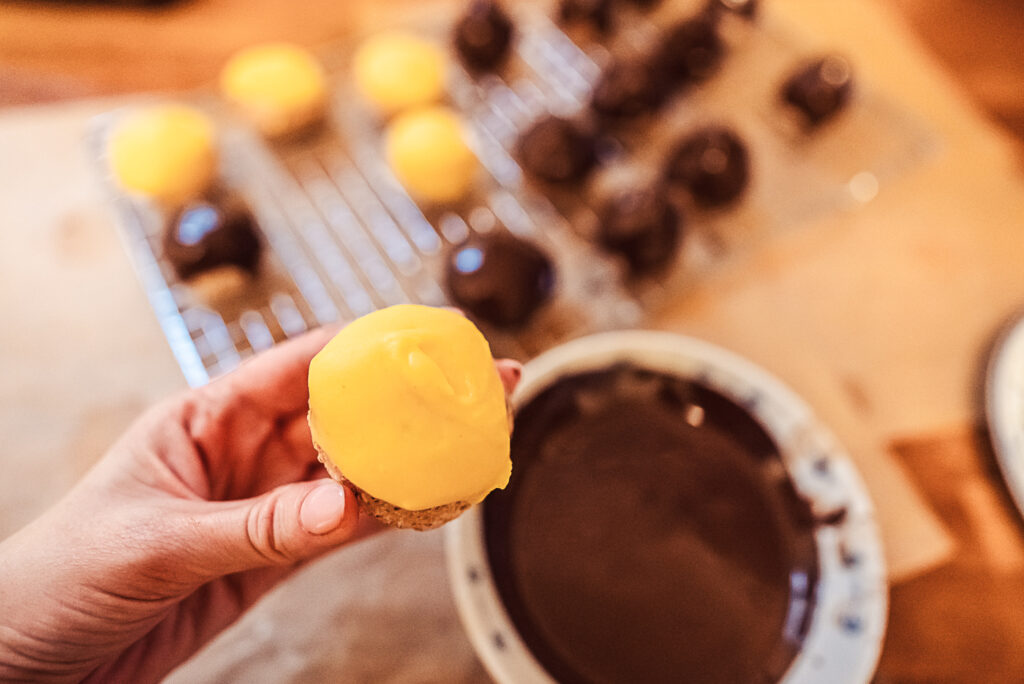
(963, 621)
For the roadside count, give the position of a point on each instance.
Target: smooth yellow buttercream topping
(427, 151)
(396, 70)
(280, 86)
(165, 152)
(408, 404)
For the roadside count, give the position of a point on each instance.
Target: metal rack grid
(344, 237)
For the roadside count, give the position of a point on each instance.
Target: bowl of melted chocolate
(674, 514)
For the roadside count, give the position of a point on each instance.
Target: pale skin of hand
(209, 500)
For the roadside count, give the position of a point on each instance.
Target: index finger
(276, 380)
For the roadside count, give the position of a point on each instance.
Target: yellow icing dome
(396, 70)
(406, 402)
(281, 87)
(165, 152)
(428, 153)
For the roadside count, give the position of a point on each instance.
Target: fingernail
(511, 371)
(323, 508)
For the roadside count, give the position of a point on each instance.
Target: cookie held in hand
(407, 407)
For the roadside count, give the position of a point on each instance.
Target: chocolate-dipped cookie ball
(499, 278)
(597, 13)
(745, 8)
(628, 88)
(483, 35)
(211, 233)
(690, 52)
(557, 150)
(712, 163)
(819, 89)
(642, 226)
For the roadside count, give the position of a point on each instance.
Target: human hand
(208, 500)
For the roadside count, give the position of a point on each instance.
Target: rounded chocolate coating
(690, 52)
(642, 226)
(557, 150)
(598, 13)
(210, 233)
(628, 88)
(499, 278)
(819, 89)
(483, 35)
(712, 163)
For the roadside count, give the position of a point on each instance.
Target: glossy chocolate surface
(650, 534)
(499, 278)
(557, 150)
(712, 163)
(628, 88)
(642, 226)
(210, 233)
(597, 13)
(692, 50)
(819, 90)
(483, 35)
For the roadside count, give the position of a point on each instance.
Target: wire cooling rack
(344, 238)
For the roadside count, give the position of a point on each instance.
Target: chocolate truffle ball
(557, 150)
(690, 52)
(499, 278)
(483, 35)
(745, 8)
(712, 163)
(597, 13)
(819, 89)
(210, 233)
(628, 88)
(642, 226)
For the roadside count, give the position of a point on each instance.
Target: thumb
(292, 523)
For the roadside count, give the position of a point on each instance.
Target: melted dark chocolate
(650, 534)
(210, 233)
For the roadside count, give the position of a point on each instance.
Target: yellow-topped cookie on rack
(429, 153)
(167, 153)
(280, 87)
(395, 70)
